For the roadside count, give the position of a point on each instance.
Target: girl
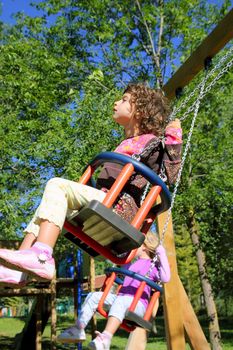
(142, 112)
(120, 303)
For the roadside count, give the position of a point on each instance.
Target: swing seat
(97, 230)
(131, 320)
(134, 320)
(107, 228)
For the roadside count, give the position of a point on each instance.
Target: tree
(205, 196)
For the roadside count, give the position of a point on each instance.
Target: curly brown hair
(152, 108)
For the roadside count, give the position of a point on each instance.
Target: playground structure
(179, 316)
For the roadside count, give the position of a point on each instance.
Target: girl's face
(123, 110)
(142, 252)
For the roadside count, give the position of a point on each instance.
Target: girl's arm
(165, 273)
(172, 151)
(173, 133)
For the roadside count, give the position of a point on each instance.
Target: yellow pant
(62, 198)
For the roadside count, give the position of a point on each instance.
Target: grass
(9, 327)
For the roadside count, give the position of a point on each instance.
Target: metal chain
(155, 261)
(208, 88)
(220, 74)
(187, 113)
(212, 83)
(150, 147)
(194, 107)
(138, 156)
(200, 97)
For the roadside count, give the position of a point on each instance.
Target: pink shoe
(101, 342)
(12, 278)
(33, 261)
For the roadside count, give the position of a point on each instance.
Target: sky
(12, 6)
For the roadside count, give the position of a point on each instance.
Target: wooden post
(38, 339)
(197, 339)
(178, 311)
(53, 313)
(138, 338)
(92, 289)
(172, 303)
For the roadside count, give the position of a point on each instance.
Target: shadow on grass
(120, 339)
(7, 343)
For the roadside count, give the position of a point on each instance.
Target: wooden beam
(172, 301)
(209, 47)
(194, 332)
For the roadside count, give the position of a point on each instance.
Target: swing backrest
(131, 320)
(98, 230)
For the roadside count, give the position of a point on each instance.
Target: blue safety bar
(139, 168)
(136, 276)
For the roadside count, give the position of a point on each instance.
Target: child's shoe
(33, 261)
(72, 335)
(12, 278)
(101, 342)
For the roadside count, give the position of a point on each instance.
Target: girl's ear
(137, 115)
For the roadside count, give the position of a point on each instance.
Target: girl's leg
(28, 241)
(115, 317)
(48, 234)
(103, 340)
(90, 306)
(61, 197)
(112, 325)
(76, 333)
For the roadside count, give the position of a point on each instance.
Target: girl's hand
(174, 124)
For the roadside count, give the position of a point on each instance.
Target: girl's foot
(37, 263)
(12, 278)
(101, 342)
(72, 335)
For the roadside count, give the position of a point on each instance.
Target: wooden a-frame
(180, 319)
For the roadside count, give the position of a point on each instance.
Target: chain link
(148, 148)
(208, 88)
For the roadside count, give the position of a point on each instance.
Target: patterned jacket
(164, 156)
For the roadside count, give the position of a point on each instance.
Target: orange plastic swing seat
(131, 319)
(97, 230)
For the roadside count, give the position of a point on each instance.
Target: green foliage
(12, 302)
(207, 186)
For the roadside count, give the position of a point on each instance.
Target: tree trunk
(214, 331)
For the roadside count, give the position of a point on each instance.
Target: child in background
(143, 113)
(121, 302)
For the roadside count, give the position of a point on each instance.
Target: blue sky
(12, 6)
